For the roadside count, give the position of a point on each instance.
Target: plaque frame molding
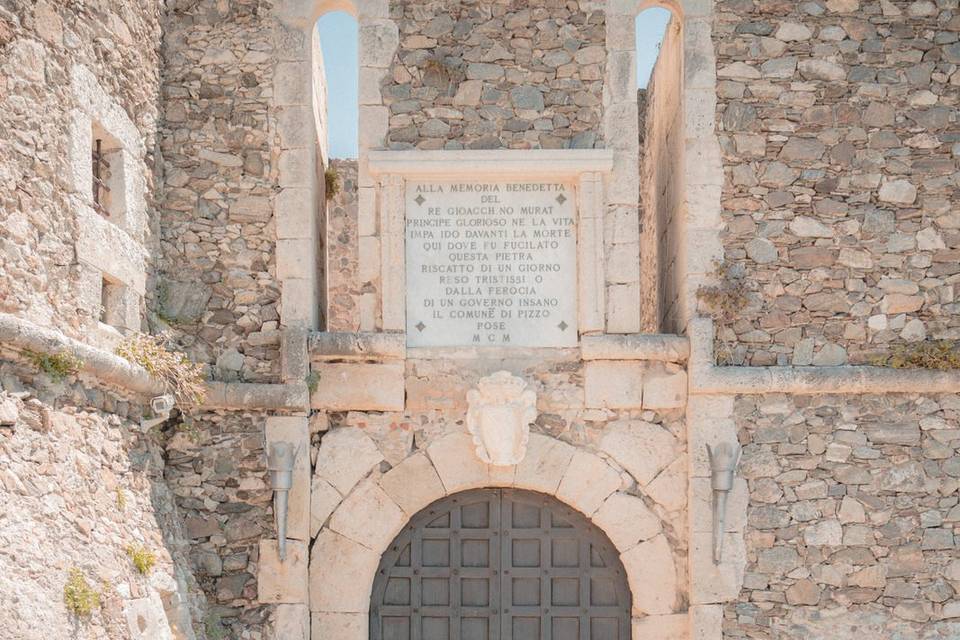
(586, 169)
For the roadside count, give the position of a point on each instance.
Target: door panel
(500, 564)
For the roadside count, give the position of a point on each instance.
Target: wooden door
(500, 564)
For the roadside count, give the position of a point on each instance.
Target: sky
(338, 39)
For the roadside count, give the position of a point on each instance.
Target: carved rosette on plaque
(499, 414)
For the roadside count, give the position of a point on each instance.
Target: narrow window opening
(111, 302)
(651, 25)
(106, 180)
(336, 85)
(659, 102)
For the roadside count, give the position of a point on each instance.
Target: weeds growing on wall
(313, 381)
(184, 378)
(728, 296)
(142, 558)
(331, 180)
(56, 365)
(121, 500)
(931, 354)
(81, 599)
(214, 627)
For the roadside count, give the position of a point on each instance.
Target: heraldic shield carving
(499, 414)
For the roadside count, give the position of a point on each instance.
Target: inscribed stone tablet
(491, 264)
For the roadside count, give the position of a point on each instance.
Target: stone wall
(41, 45)
(346, 290)
(661, 189)
(501, 74)
(216, 469)
(218, 287)
(837, 121)
(79, 484)
(852, 518)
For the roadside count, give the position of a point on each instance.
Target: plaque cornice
(507, 164)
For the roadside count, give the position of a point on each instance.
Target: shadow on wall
(91, 540)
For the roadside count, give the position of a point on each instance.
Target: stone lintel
(635, 346)
(242, 395)
(357, 346)
(492, 164)
(359, 386)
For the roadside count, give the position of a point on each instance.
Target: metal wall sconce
(280, 462)
(723, 466)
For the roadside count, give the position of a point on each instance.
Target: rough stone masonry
(164, 169)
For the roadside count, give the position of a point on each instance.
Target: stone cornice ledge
(707, 378)
(511, 164)
(106, 367)
(635, 346)
(293, 396)
(110, 369)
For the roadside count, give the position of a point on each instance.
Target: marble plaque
(491, 264)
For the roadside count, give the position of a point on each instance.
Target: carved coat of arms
(499, 414)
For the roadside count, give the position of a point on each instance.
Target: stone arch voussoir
(347, 551)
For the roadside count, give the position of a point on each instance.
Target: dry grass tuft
(931, 354)
(182, 377)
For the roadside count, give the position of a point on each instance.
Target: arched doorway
(500, 564)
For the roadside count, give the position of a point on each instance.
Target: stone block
(701, 508)
(652, 575)
(715, 583)
(587, 482)
(668, 627)
(366, 211)
(358, 346)
(296, 126)
(664, 386)
(298, 167)
(378, 43)
(294, 214)
(368, 259)
(374, 122)
(356, 386)
(706, 622)
(295, 431)
(543, 467)
(642, 448)
(298, 302)
(622, 73)
(340, 626)
(413, 484)
(292, 622)
(334, 557)
(700, 63)
(369, 516)
(626, 520)
(146, 618)
(282, 582)
(669, 488)
(346, 456)
(296, 258)
(709, 421)
(292, 83)
(294, 359)
(623, 308)
(369, 85)
(622, 185)
(610, 384)
(455, 458)
(324, 499)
